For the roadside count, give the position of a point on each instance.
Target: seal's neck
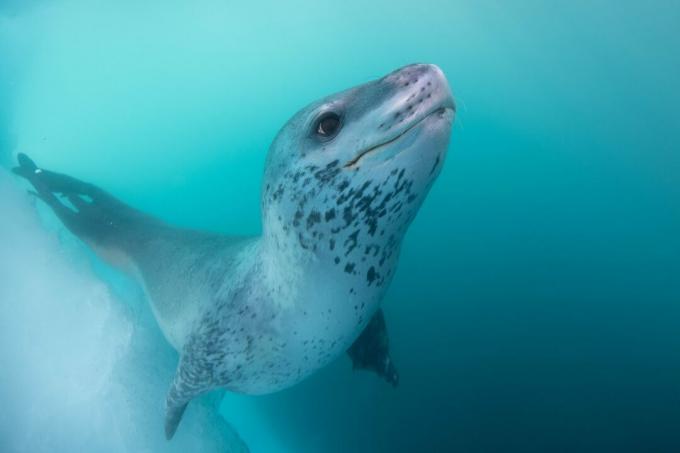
(343, 229)
(351, 263)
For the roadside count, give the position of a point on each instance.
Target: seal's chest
(301, 344)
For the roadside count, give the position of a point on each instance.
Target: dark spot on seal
(348, 215)
(370, 275)
(312, 218)
(301, 240)
(436, 162)
(327, 174)
(372, 223)
(330, 214)
(349, 268)
(343, 185)
(298, 216)
(351, 242)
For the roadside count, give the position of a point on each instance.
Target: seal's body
(343, 180)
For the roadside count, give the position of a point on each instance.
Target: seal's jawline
(363, 153)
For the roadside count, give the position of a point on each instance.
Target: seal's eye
(328, 125)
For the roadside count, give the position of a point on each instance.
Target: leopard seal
(343, 180)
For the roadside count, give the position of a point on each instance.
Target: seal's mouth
(441, 112)
(416, 94)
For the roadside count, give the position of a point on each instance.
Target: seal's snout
(423, 83)
(417, 91)
(411, 73)
(415, 95)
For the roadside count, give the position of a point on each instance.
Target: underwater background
(537, 302)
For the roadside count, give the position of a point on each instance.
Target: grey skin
(343, 180)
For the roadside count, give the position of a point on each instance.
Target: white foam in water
(79, 369)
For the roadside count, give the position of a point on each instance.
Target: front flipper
(188, 384)
(181, 392)
(371, 350)
(196, 374)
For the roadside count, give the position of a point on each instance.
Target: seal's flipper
(182, 391)
(371, 350)
(93, 214)
(174, 411)
(193, 378)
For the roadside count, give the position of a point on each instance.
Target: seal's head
(352, 169)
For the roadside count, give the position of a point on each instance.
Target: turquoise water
(537, 302)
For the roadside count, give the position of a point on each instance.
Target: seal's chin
(394, 144)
